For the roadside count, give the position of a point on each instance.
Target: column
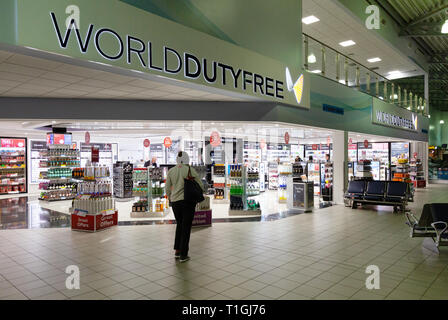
(340, 170)
(427, 92)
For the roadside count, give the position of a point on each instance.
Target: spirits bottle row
(61, 152)
(57, 186)
(92, 173)
(61, 162)
(63, 194)
(57, 173)
(99, 188)
(236, 171)
(94, 205)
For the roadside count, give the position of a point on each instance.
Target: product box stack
(417, 173)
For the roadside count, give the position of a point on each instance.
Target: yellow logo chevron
(297, 87)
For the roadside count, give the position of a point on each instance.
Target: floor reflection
(20, 213)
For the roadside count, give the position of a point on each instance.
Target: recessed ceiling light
(347, 43)
(310, 19)
(316, 71)
(394, 72)
(442, 122)
(372, 60)
(445, 27)
(312, 58)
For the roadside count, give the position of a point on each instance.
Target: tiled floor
(322, 255)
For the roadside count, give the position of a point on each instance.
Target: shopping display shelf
(59, 199)
(12, 184)
(12, 168)
(152, 203)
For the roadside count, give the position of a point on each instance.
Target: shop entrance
(270, 155)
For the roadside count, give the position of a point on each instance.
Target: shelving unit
(57, 181)
(364, 170)
(148, 185)
(314, 176)
(327, 181)
(273, 175)
(402, 174)
(417, 173)
(13, 175)
(219, 181)
(122, 178)
(240, 204)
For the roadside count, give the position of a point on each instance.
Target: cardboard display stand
(82, 221)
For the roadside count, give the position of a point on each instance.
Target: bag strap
(189, 173)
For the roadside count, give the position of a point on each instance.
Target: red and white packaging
(82, 221)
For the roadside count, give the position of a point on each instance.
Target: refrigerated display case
(36, 149)
(314, 176)
(13, 165)
(273, 175)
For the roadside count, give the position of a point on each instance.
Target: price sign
(167, 142)
(146, 143)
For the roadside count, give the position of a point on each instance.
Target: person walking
(183, 208)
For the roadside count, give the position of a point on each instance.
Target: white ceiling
(337, 24)
(27, 76)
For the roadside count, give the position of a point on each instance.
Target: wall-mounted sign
(13, 143)
(286, 137)
(146, 143)
(167, 142)
(87, 137)
(394, 117)
(328, 141)
(203, 59)
(95, 154)
(262, 143)
(350, 141)
(215, 139)
(366, 143)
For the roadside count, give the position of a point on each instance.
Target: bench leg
(354, 205)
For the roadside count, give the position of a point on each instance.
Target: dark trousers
(184, 213)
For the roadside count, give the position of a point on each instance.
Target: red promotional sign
(366, 143)
(95, 155)
(146, 143)
(350, 141)
(314, 146)
(59, 138)
(215, 139)
(87, 137)
(262, 143)
(328, 141)
(287, 138)
(92, 222)
(415, 155)
(167, 142)
(13, 143)
(352, 147)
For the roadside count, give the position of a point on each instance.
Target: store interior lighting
(312, 58)
(445, 27)
(310, 19)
